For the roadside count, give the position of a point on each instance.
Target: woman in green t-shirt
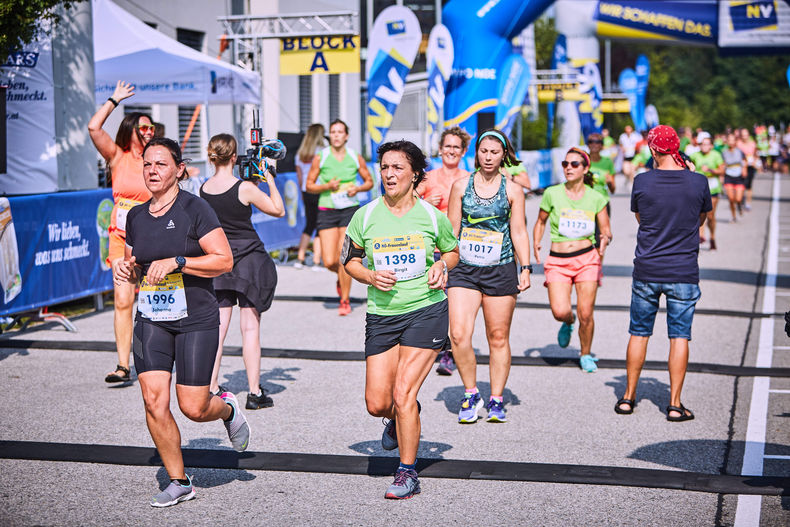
(710, 164)
(333, 175)
(407, 319)
(572, 208)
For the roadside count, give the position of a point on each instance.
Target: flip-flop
(631, 404)
(682, 411)
(114, 377)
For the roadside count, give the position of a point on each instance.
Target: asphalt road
(74, 451)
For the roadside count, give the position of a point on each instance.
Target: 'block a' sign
(319, 54)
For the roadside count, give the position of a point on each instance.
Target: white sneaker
(298, 265)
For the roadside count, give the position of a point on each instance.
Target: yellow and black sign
(559, 91)
(615, 106)
(320, 54)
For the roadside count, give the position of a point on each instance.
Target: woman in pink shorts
(572, 209)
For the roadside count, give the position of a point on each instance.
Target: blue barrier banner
(589, 108)
(281, 233)
(558, 59)
(61, 247)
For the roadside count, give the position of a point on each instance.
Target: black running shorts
(494, 280)
(424, 328)
(331, 218)
(192, 352)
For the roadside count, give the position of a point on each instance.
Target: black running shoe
(255, 402)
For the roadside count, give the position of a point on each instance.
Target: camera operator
(253, 279)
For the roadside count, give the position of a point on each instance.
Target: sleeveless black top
(233, 215)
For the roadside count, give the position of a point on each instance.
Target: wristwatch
(527, 267)
(181, 262)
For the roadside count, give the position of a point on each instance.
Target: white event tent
(162, 70)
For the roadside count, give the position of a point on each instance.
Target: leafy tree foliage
(21, 20)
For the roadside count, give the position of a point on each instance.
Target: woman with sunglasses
(572, 209)
(487, 213)
(124, 158)
(435, 189)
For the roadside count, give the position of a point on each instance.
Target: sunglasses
(146, 127)
(574, 164)
(595, 142)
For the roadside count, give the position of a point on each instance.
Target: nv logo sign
(396, 27)
(753, 14)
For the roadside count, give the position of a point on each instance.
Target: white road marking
(749, 507)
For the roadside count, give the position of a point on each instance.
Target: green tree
(21, 20)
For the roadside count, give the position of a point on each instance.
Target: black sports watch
(181, 262)
(527, 267)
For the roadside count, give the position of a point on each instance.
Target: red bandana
(664, 140)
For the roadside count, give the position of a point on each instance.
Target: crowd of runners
(437, 247)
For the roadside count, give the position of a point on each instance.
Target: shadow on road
(5, 353)
(207, 477)
(453, 395)
(705, 455)
(553, 351)
(648, 389)
(237, 381)
(428, 449)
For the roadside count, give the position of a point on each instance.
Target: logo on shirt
(171, 225)
(472, 220)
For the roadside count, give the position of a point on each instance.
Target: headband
(581, 152)
(493, 133)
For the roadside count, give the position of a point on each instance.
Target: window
(334, 97)
(192, 147)
(305, 101)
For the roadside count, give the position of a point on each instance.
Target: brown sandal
(114, 377)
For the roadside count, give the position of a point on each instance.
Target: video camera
(253, 165)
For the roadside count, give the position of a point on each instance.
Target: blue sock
(406, 466)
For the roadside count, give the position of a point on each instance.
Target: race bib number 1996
(403, 255)
(164, 301)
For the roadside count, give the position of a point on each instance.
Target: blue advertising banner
(695, 21)
(440, 64)
(513, 85)
(589, 108)
(392, 48)
(60, 250)
(558, 58)
(642, 71)
(628, 85)
(482, 33)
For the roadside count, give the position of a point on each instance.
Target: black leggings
(193, 352)
(310, 212)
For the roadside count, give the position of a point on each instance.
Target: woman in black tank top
(253, 279)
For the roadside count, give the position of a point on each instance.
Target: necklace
(163, 207)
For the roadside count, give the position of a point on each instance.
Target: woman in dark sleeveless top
(252, 281)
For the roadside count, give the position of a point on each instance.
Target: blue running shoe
(469, 408)
(496, 411)
(564, 335)
(174, 493)
(587, 363)
(405, 486)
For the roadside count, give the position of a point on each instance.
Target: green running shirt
(572, 220)
(404, 245)
(346, 171)
(599, 170)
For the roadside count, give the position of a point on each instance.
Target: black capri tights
(192, 352)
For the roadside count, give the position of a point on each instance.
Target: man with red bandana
(670, 203)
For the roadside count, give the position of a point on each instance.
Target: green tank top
(345, 171)
(484, 239)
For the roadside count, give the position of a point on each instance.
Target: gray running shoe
(174, 493)
(238, 429)
(389, 438)
(405, 486)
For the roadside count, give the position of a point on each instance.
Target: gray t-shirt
(733, 159)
